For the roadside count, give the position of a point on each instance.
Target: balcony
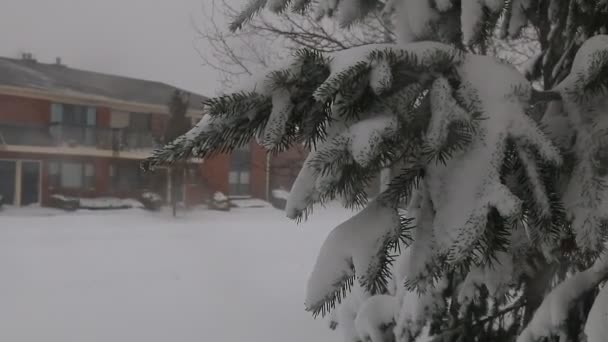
(103, 139)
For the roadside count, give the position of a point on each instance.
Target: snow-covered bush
(506, 221)
(219, 201)
(151, 200)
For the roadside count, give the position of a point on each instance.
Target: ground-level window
(239, 176)
(71, 174)
(239, 182)
(126, 177)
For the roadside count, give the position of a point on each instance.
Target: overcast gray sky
(151, 39)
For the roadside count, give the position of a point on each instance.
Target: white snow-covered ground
(135, 276)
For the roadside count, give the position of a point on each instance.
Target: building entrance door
(7, 180)
(30, 182)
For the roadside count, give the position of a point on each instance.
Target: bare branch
(267, 38)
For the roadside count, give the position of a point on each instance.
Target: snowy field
(134, 276)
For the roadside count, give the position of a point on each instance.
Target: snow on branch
(584, 99)
(375, 318)
(550, 318)
(596, 328)
(467, 186)
(589, 73)
(358, 248)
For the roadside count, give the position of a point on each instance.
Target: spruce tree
(494, 226)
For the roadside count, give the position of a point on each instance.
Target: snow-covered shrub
(63, 202)
(151, 200)
(219, 201)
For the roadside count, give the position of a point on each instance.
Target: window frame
(87, 172)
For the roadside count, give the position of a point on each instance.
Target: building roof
(61, 80)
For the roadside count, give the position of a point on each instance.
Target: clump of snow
(471, 18)
(280, 194)
(346, 313)
(403, 31)
(204, 125)
(495, 278)
(345, 59)
(303, 191)
(219, 197)
(584, 65)
(366, 135)
(381, 77)
(596, 328)
(585, 201)
(351, 249)
(101, 202)
(414, 263)
(415, 310)
(375, 317)
(445, 111)
(443, 5)
(533, 174)
(282, 107)
(494, 5)
(109, 203)
(349, 11)
(518, 17)
(418, 14)
(151, 196)
(250, 203)
(552, 314)
(467, 186)
(61, 197)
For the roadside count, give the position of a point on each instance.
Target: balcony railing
(62, 135)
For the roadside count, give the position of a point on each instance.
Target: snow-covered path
(135, 276)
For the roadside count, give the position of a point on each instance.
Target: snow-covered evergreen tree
(494, 228)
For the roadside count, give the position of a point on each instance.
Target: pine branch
(301, 6)
(247, 14)
(325, 306)
(539, 96)
(459, 330)
(376, 280)
(460, 135)
(402, 187)
(597, 83)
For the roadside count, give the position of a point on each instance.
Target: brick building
(80, 133)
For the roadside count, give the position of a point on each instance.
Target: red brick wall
(215, 173)
(22, 110)
(158, 124)
(285, 166)
(104, 115)
(258, 171)
(102, 175)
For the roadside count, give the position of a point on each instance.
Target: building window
(239, 176)
(53, 174)
(140, 122)
(139, 131)
(71, 175)
(73, 123)
(125, 177)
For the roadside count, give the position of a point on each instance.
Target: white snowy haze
(149, 39)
